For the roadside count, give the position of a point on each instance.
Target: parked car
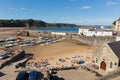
(3, 56)
(50, 77)
(33, 75)
(22, 76)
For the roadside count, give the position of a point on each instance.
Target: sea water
(58, 29)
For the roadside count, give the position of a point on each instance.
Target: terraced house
(117, 25)
(107, 56)
(95, 32)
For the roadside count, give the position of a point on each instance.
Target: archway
(103, 65)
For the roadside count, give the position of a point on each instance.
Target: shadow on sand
(1, 74)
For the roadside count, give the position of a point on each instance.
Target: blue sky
(83, 12)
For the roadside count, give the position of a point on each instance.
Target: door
(103, 65)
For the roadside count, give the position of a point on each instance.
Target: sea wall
(94, 40)
(90, 40)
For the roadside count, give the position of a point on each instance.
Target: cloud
(86, 7)
(111, 3)
(16, 9)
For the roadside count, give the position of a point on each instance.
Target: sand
(60, 49)
(9, 32)
(64, 49)
(73, 75)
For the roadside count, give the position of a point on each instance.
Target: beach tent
(81, 62)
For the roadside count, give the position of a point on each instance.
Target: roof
(118, 19)
(115, 46)
(101, 30)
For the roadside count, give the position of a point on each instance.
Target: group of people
(37, 64)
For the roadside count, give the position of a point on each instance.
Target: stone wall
(110, 75)
(95, 40)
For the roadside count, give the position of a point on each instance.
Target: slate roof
(118, 19)
(101, 30)
(115, 46)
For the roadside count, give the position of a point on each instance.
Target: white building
(102, 32)
(91, 33)
(83, 31)
(95, 32)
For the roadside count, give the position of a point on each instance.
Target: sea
(58, 29)
(63, 29)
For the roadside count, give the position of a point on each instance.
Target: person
(16, 66)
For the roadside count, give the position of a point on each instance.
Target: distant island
(31, 23)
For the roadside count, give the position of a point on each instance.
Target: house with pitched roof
(107, 56)
(117, 25)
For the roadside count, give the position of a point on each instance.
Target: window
(111, 64)
(118, 22)
(96, 60)
(115, 63)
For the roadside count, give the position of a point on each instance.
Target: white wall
(103, 33)
(83, 31)
(58, 33)
(90, 33)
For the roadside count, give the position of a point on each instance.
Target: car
(3, 56)
(33, 75)
(22, 76)
(50, 77)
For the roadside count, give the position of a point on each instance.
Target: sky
(81, 12)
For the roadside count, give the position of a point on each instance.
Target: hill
(32, 23)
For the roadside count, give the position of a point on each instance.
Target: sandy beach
(60, 49)
(65, 49)
(9, 32)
